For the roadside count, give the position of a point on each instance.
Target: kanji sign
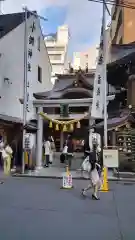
(30, 52)
(98, 93)
(33, 27)
(31, 40)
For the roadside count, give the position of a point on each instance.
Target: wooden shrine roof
(69, 83)
(112, 123)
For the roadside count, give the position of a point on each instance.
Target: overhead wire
(124, 4)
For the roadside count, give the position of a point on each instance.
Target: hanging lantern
(78, 125)
(128, 125)
(57, 127)
(64, 128)
(71, 127)
(50, 124)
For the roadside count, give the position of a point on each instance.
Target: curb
(111, 179)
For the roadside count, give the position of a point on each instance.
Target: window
(56, 49)
(39, 74)
(38, 43)
(55, 57)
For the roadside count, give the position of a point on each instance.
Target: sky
(82, 16)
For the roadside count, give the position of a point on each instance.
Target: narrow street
(39, 209)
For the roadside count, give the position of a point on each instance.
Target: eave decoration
(63, 125)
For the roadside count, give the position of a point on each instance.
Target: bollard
(105, 187)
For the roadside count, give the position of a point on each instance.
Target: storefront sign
(111, 158)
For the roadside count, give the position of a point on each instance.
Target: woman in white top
(47, 146)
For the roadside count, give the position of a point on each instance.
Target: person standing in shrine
(52, 149)
(47, 147)
(70, 150)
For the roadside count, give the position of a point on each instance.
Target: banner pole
(105, 75)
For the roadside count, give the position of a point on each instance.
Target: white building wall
(12, 67)
(63, 34)
(81, 59)
(58, 46)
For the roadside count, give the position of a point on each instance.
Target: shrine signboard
(111, 158)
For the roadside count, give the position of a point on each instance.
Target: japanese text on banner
(98, 92)
(30, 49)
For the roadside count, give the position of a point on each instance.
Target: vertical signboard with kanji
(31, 28)
(98, 93)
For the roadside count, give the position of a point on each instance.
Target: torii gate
(39, 104)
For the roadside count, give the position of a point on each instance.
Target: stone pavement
(39, 209)
(58, 172)
(57, 169)
(55, 172)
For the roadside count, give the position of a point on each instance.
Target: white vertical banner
(31, 28)
(98, 91)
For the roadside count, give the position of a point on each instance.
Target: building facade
(85, 59)
(122, 24)
(57, 47)
(12, 63)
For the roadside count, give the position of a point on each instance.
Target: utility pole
(25, 85)
(104, 74)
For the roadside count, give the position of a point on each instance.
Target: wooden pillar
(39, 139)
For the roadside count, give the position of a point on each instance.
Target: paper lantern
(78, 125)
(50, 124)
(65, 128)
(57, 127)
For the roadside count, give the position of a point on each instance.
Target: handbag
(4, 154)
(65, 149)
(86, 166)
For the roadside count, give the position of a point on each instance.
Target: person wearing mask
(47, 147)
